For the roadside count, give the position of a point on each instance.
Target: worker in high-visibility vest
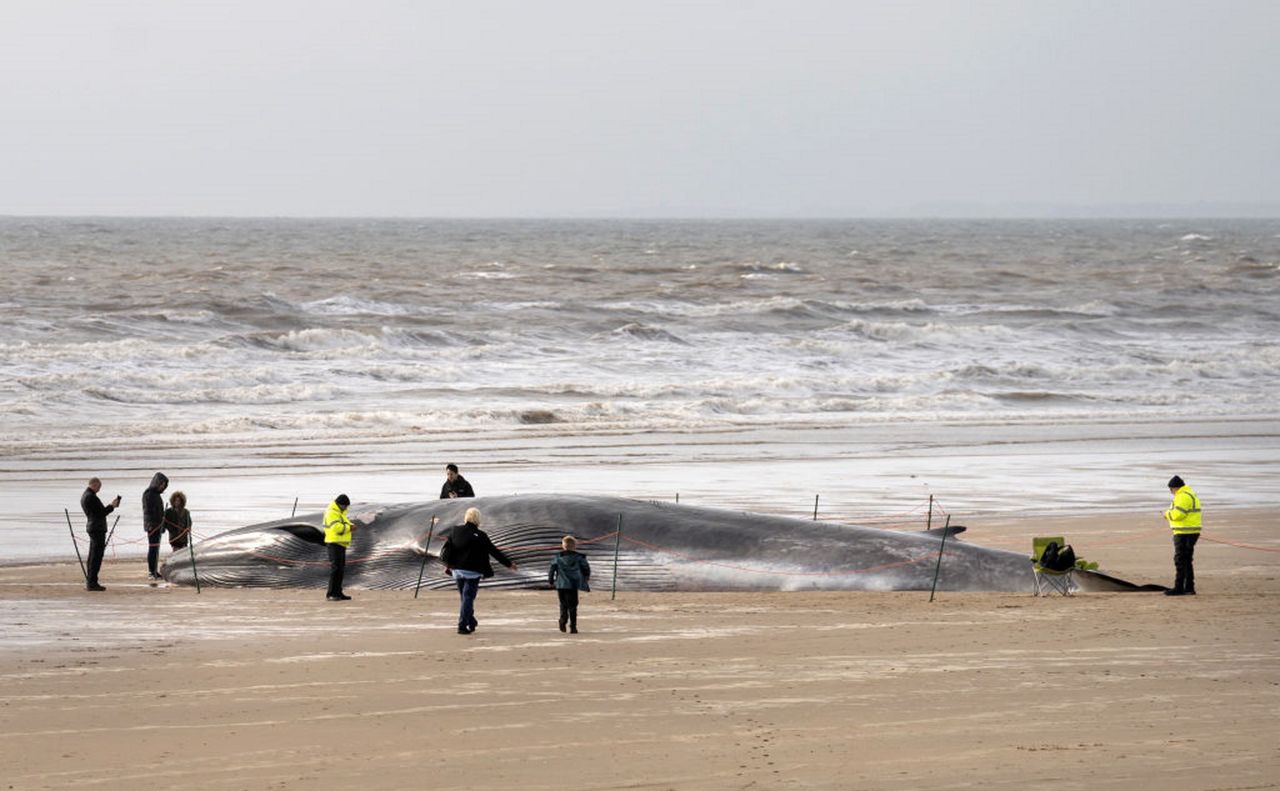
(337, 537)
(1184, 519)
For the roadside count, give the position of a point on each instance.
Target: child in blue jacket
(570, 572)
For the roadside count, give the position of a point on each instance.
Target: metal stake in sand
(426, 555)
(83, 570)
(295, 508)
(617, 542)
(111, 533)
(191, 547)
(928, 522)
(815, 508)
(937, 568)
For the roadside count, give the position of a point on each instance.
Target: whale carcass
(658, 546)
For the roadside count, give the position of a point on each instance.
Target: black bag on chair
(1055, 559)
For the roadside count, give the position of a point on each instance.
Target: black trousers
(568, 606)
(337, 566)
(1184, 550)
(153, 549)
(97, 548)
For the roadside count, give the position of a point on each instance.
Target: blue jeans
(467, 590)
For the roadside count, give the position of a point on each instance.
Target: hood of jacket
(158, 481)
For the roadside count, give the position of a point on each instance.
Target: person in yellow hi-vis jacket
(337, 537)
(1184, 518)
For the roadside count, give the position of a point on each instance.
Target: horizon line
(645, 217)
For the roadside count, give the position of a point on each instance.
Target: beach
(145, 687)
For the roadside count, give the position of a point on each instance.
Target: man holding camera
(96, 514)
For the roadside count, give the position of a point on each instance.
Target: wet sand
(143, 688)
(879, 475)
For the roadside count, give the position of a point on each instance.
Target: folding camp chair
(1048, 580)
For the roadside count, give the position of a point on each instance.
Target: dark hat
(1176, 482)
(343, 500)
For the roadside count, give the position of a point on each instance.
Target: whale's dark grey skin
(662, 547)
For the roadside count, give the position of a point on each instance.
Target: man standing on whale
(454, 484)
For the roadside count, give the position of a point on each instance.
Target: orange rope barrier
(1240, 546)
(1140, 536)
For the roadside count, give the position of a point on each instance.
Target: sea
(145, 334)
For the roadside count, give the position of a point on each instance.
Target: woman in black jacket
(465, 555)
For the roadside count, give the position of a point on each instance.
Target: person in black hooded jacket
(153, 521)
(465, 555)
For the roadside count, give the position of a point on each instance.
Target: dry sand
(142, 688)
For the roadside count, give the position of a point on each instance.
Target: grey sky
(306, 107)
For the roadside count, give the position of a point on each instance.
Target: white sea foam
(313, 340)
(344, 305)
(488, 275)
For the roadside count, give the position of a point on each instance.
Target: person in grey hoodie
(153, 521)
(570, 572)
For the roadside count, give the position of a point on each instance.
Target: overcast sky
(652, 108)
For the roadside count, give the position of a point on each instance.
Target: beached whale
(660, 547)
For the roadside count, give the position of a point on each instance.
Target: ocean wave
(1093, 309)
(515, 307)
(645, 332)
(398, 338)
(886, 331)
(1253, 268)
(110, 354)
(1036, 396)
(913, 305)
(313, 340)
(688, 309)
(782, 267)
(244, 395)
(343, 305)
(199, 316)
(488, 275)
(1012, 370)
(254, 425)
